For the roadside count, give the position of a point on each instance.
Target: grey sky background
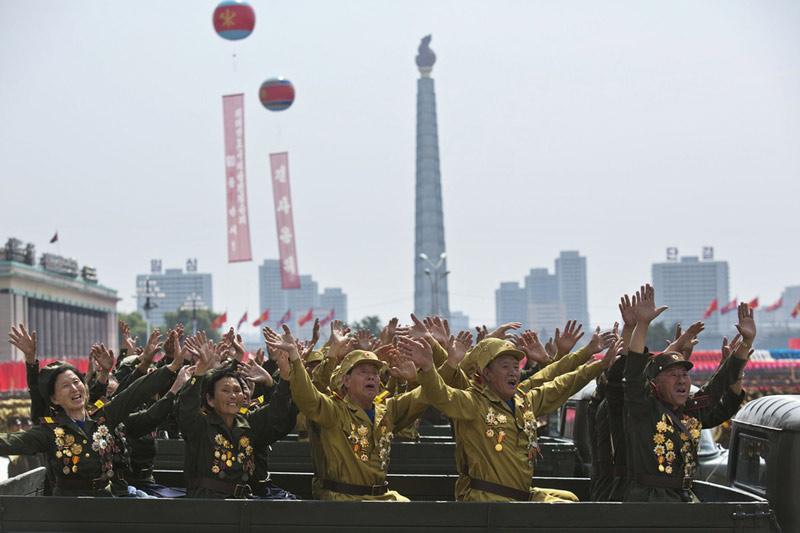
(613, 128)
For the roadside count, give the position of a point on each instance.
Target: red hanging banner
(235, 184)
(290, 279)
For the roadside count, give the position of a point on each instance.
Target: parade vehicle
(424, 472)
(724, 509)
(764, 459)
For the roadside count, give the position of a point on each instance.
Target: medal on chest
(493, 431)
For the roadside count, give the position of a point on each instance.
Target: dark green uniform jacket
(662, 444)
(220, 456)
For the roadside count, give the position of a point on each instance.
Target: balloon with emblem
(276, 94)
(234, 19)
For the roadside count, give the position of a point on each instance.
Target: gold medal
(660, 468)
(229, 463)
(498, 447)
(75, 468)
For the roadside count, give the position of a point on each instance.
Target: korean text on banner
(235, 183)
(290, 278)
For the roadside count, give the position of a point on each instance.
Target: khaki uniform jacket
(355, 450)
(84, 454)
(499, 445)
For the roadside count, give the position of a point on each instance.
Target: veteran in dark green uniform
(662, 423)
(221, 441)
(79, 441)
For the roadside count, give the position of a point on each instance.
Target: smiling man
(356, 430)
(496, 424)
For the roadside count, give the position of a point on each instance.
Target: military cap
(357, 357)
(314, 355)
(48, 375)
(664, 360)
(336, 379)
(488, 349)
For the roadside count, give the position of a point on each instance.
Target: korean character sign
(290, 277)
(235, 182)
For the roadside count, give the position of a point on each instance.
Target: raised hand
(283, 342)
(439, 329)
(482, 332)
(628, 311)
(611, 354)
(417, 330)
(237, 344)
(315, 333)
(386, 352)
(566, 341)
(127, 341)
(203, 349)
(728, 349)
(685, 342)
(502, 331)
(402, 368)
(365, 340)
(172, 345)
(418, 351)
(388, 331)
(600, 341)
(151, 348)
(747, 324)
(24, 341)
(551, 348)
(645, 305)
(104, 358)
(533, 348)
(259, 356)
(255, 372)
(183, 376)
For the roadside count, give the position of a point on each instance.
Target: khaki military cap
(488, 349)
(357, 357)
(314, 355)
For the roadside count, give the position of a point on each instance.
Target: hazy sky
(613, 128)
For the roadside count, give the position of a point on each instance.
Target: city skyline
(559, 126)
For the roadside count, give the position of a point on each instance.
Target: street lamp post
(435, 276)
(148, 289)
(194, 302)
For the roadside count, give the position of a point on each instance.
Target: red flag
(235, 185)
(326, 319)
(55, 238)
(284, 223)
(261, 319)
(775, 306)
(219, 321)
(303, 320)
(711, 308)
(796, 310)
(753, 303)
(241, 321)
(286, 318)
(730, 307)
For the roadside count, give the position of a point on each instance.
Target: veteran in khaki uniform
(495, 426)
(355, 431)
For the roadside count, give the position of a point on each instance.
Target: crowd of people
(356, 394)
